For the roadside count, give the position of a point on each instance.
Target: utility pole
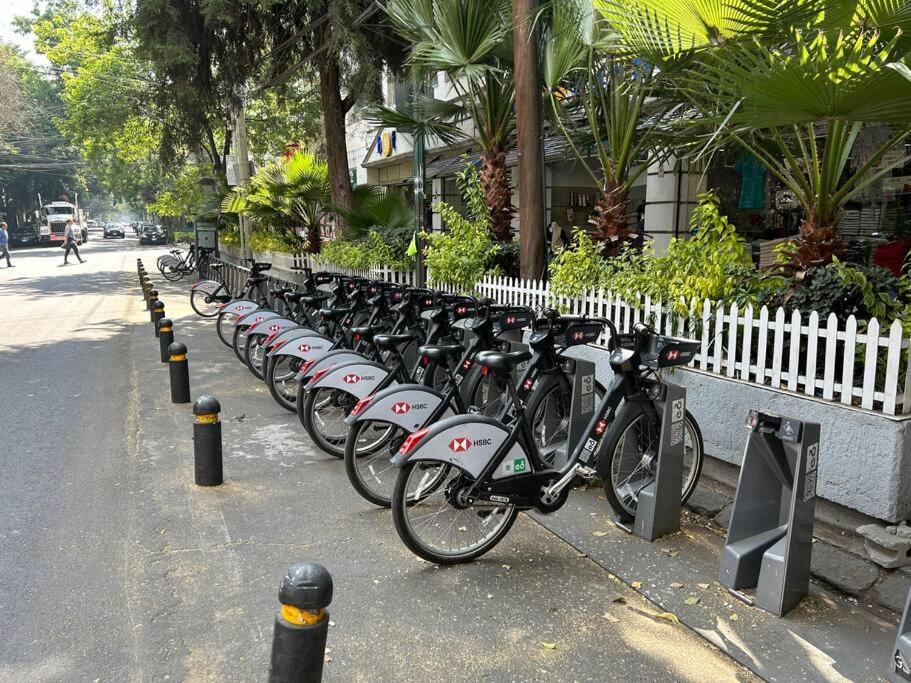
(242, 163)
(529, 145)
(420, 197)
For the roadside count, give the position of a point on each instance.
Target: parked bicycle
(464, 479)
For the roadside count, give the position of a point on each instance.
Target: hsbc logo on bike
(672, 354)
(304, 347)
(463, 444)
(578, 335)
(400, 408)
(241, 308)
(510, 320)
(351, 378)
(274, 328)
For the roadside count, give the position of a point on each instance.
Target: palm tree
(792, 82)
(468, 40)
(597, 100)
(286, 195)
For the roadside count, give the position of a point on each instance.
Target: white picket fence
(864, 365)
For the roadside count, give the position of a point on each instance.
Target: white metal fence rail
(864, 364)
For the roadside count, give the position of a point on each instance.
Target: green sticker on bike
(518, 465)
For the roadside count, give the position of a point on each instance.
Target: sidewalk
(210, 560)
(221, 553)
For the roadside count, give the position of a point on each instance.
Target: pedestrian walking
(4, 244)
(69, 243)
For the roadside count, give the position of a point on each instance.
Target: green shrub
(182, 236)
(461, 256)
(714, 263)
(373, 250)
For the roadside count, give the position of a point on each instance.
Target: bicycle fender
(408, 406)
(239, 307)
(207, 286)
(336, 357)
(286, 337)
(359, 378)
(307, 347)
(271, 326)
(470, 442)
(254, 318)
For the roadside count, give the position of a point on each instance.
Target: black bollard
(157, 314)
(301, 627)
(180, 373)
(207, 442)
(165, 337)
(146, 288)
(152, 298)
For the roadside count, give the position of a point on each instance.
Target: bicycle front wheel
(324, 412)
(368, 449)
(634, 459)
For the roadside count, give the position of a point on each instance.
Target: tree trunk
(816, 246)
(532, 226)
(334, 109)
(495, 179)
(608, 224)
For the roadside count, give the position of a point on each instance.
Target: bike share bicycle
(208, 297)
(464, 479)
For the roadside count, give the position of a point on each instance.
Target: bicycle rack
(769, 540)
(900, 667)
(658, 507)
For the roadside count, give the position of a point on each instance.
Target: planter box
(862, 457)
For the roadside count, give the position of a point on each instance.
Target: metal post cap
(165, 322)
(158, 305)
(206, 405)
(307, 585)
(153, 294)
(177, 349)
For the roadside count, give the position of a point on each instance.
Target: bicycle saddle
(216, 266)
(499, 361)
(388, 341)
(334, 313)
(441, 353)
(258, 278)
(365, 333)
(306, 297)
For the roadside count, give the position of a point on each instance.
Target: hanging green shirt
(752, 186)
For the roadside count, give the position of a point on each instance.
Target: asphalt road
(114, 567)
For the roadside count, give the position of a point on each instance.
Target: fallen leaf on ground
(599, 533)
(676, 584)
(610, 617)
(620, 600)
(691, 600)
(671, 552)
(703, 586)
(669, 616)
(506, 566)
(463, 528)
(734, 617)
(636, 584)
(549, 646)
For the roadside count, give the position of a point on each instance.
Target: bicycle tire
(402, 503)
(615, 498)
(202, 304)
(272, 382)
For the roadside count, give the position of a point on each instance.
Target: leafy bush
(579, 268)
(182, 236)
(714, 263)
(261, 241)
(460, 257)
(373, 250)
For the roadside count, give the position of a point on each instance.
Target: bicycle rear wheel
(436, 521)
(204, 304)
(282, 382)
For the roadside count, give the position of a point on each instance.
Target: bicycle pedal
(586, 472)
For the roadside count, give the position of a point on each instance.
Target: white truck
(54, 216)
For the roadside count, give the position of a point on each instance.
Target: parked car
(24, 236)
(113, 230)
(152, 234)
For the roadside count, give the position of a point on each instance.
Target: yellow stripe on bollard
(302, 617)
(207, 419)
(181, 356)
(165, 329)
